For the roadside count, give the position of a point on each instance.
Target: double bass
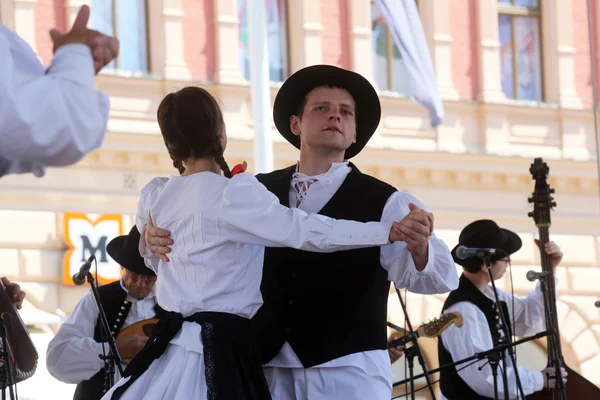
(577, 387)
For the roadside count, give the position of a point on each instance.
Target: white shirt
(72, 355)
(219, 227)
(475, 337)
(47, 118)
(439, 275)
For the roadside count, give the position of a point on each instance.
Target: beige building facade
(506, 99)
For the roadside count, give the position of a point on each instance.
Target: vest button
(294, 275)
(291, 302)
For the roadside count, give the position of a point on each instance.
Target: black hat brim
(508, 241)
(124, 250)
(296, 87)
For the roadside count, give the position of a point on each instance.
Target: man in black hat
(73, 354)
(323, 322)
(475, 301)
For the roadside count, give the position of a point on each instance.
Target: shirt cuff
(538, 381)
(429, 268)
(354, 234)
(74, 62)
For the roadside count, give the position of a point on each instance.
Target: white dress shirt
(439, 275)
(475, 337)
(72, 355)
(48, 117)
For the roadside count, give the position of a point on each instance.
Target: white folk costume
(48, 117)
(323, 323)
(478, 309)
(73, 354)
(205, 348)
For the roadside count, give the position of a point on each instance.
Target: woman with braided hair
(205, 348)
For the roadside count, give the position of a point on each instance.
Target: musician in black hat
(475, 301)
(72, 355)
(323, 322)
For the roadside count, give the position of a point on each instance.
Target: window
(389, 70)
(125, 19)
(520, 54)
(276, 38)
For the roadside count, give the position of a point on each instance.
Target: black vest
(116, 307)
(451, 384)
(326, 305)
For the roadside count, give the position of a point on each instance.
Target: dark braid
(192, 124)
(179, 165)
(218, 155)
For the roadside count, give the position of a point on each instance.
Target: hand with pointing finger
(104, 48)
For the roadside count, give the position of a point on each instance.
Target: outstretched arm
(249, 213)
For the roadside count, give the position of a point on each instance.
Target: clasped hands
(414, 229)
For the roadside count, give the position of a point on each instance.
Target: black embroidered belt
(231, 359)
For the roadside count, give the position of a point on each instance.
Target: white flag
(403, 20)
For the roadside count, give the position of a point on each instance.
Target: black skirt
(232, 363)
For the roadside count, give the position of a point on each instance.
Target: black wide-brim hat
(485, 233)
(296, 87)
(125, 251)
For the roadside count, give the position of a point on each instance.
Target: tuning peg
(530, 200)
(530, 214)
(553, 204)
(552, 190)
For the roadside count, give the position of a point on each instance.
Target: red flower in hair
(238, 169)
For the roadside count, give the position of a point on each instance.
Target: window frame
(512, 10)
(390, 44)
(115, 26)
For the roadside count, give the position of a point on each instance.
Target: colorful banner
(86, 237)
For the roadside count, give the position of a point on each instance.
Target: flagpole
(260, 88)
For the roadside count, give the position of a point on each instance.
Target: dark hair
(191, 122)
